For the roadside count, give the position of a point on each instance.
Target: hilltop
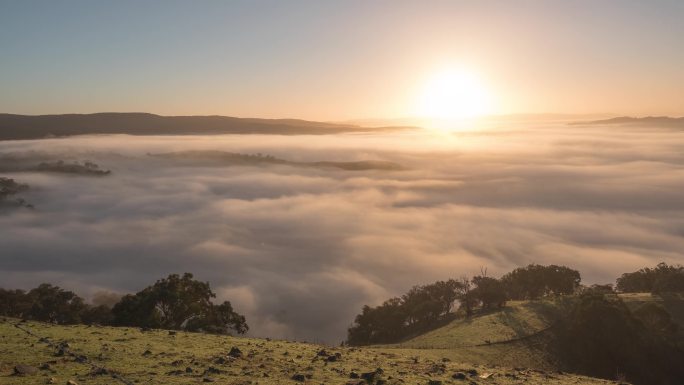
(14, 127)
(108, 355)
(651, 121)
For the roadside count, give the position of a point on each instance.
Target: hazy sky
(338, 60)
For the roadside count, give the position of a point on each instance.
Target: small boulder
(235, 352)
(355, 382)
(71, 382)
(372, 376)
(459, 376)
(210, 370)
(299, 377)
(25, 370)
(99, 372)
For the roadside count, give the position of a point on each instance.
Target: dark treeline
(427, 306)
(176, 302)
(602, 337)
(661, 279)
(598, 334)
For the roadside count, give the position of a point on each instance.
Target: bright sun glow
(454, 95)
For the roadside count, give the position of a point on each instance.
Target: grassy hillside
(518, 319)
(107, 355)
(672, 302)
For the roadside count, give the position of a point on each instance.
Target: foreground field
(107, 355)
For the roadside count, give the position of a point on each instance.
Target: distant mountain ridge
(13, 127)
(659, 121)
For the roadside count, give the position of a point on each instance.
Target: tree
(561, 280)
(601, 337)
(382, 324)
(536, 281)
(420, 308)
(221, 319)
(465, 295)
(14, 303)
(97, 315)
(52, 304)
(429, 303)
(179, 303)
(489, 292)
(662, 278)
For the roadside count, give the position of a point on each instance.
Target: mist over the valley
(299, 249)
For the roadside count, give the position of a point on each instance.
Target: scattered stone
(99, 372)
(235, 352)
(72, 382)
(372, 376)
(210, 370)
(51, 380)
(334, 357)
(45, 366)
(459, 376)
(434, 382)
(355, 382)
(353, 375)
(147, 353)
(486, 375)
(80, 358)
(299, 377)
(25, 370)
(172, 333)
(207, 379)
(188, 370)
(322, 353)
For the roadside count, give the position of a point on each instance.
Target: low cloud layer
(300, 250)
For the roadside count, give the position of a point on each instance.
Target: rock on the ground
(23, 370)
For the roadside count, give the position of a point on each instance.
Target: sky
(325, 60)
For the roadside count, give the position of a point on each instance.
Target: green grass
(123, 350)
(518, 319)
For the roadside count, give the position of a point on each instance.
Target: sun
(453, 95)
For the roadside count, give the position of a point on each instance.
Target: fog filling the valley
(299, 250)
